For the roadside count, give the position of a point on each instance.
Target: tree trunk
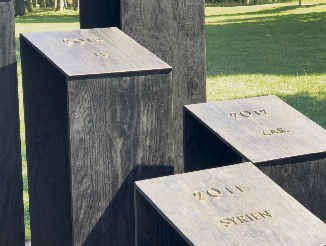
(299, 3)
(20, 7)
(76, 5)
(51, 3)
(34, 3)
(57, 5)
(42, 3)
(60, 5)
(29, 5)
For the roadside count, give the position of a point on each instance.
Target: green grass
(275, 49)
(40, 20)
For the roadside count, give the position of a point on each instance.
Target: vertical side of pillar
(47, 149)
(174, 30)
(11, 185)
(118, 135)
(99, 13)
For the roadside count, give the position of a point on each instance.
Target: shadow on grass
(289, 18)
(310, 106)
(281, 44)
(275, 10)
(18, 50)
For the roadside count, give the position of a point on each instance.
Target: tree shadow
(282, 44)
(292, 18)
(311, 106)
(275, 10)
(18, 50)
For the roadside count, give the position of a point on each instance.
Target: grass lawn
(275, 49)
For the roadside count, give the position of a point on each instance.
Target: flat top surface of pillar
(261, 128)
(232, 205)
(94, 51)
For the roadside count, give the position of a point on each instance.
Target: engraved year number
(248, 114)
(82, 42)
(213, 192)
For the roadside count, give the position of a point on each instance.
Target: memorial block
(11, 184)
(97, 106)
(279, 140)
(231, 205)
(174, 30)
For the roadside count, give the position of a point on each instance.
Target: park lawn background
(272, 49)
(275, 49)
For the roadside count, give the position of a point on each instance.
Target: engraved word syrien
(247, 218)
(214, 193)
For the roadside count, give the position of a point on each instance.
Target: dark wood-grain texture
(262, 212)
(88, 139)
(123, 52)
(152, 228)
(294, 159)
(174, 30)
(47, 149)
(99, 14)
(117, 136)
(11, 186)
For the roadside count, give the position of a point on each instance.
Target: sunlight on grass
(275, 49)
(25, 195)
(241, 14)
(247, 85)
(307, 91)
